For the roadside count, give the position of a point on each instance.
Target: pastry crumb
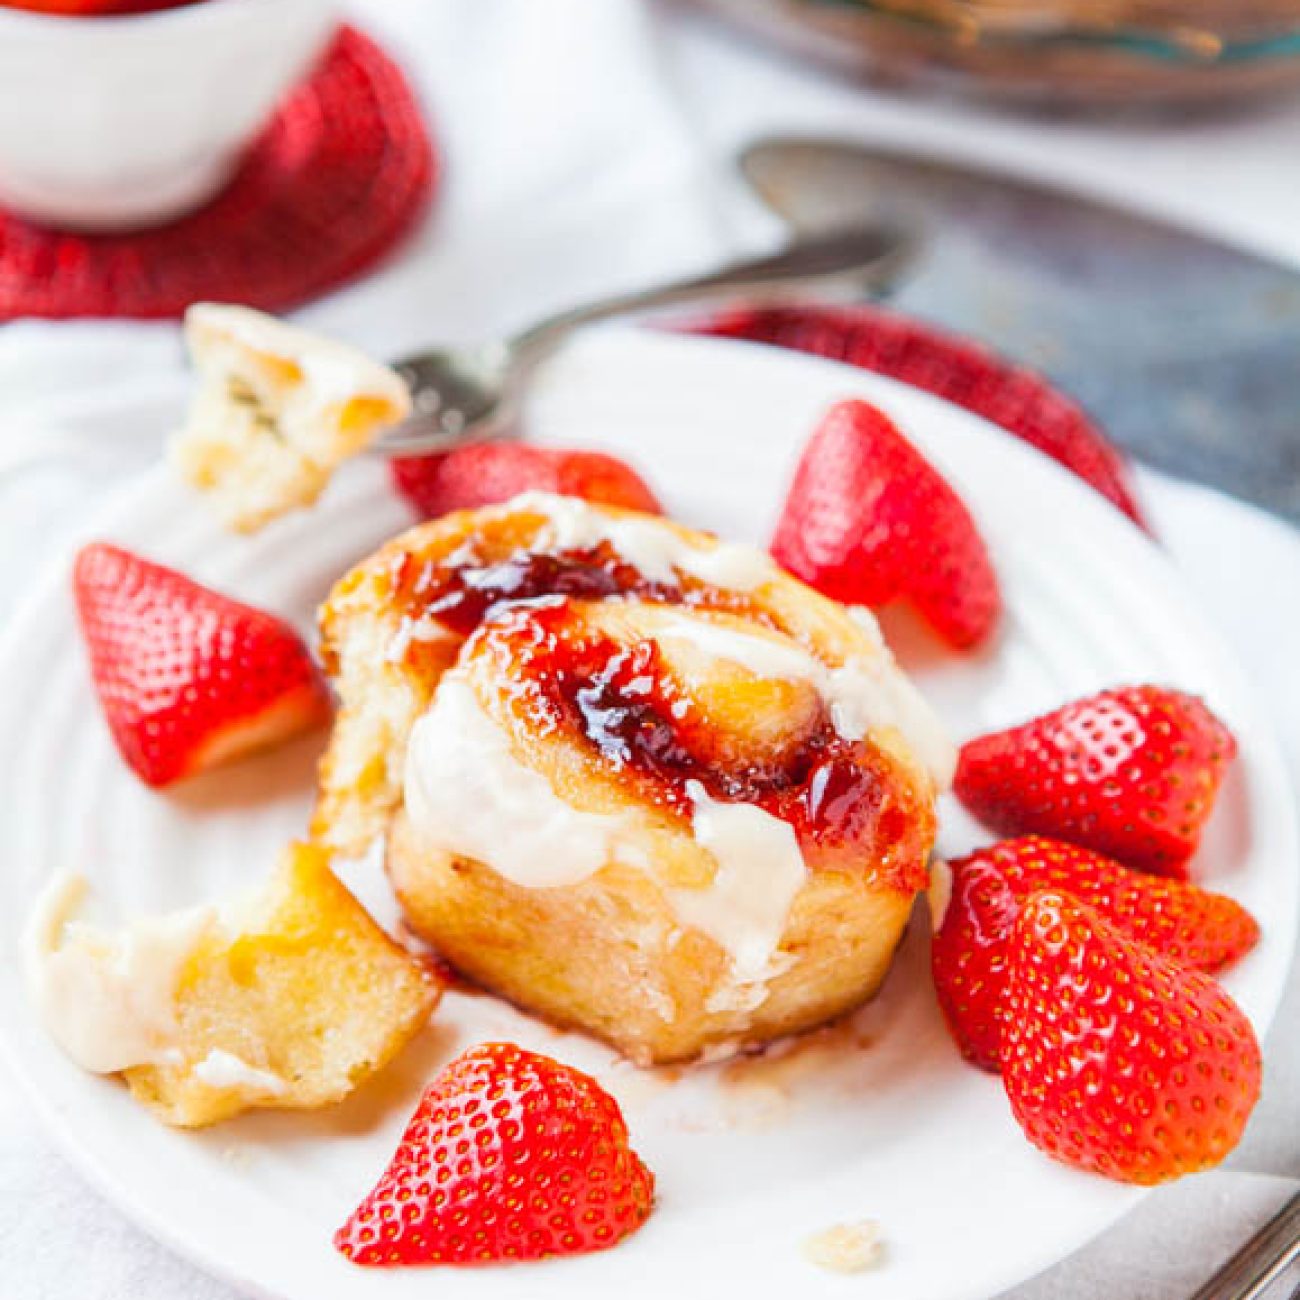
(846, 1247)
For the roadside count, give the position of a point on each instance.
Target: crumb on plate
(845, 1247)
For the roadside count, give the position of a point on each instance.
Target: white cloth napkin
(585, 144)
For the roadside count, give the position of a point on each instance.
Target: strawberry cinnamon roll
(636, 780)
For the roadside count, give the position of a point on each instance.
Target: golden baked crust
(300, 986)
(609, 956)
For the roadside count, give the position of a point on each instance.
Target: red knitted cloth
(342, 172)
(966, 374)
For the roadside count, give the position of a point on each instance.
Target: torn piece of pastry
(634, 779)
(290, 997)
(276, 411)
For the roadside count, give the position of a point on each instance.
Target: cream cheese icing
(760, 869)
(467, 793)
(108, 999)
(228, 1072)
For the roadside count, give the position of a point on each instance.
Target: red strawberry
(868, 519)
(964, 373)
(489, 472)
(188, 678)
(1132, 773)
(969, 956)
(95, 8)
(509, 1156)
(1117, 1059)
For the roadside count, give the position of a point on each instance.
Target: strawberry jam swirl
(456, 593)
(849, 805)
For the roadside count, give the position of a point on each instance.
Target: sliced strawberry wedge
(1132, 773)
(491, 472)
(187, 677)
(869, 520)
(509, 1156)
(1116, 1059)
(988, 890)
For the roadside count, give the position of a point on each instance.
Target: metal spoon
(468, 394)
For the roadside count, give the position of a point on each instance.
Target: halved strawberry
(187, 677)
(490, 472)
(868, 519)
(988, 889)
(1117, 1059)
(1132, 773)
(509, 1156)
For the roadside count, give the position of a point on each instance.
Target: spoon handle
(869, 258)
(1260, 1261)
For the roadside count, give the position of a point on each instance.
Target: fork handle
(1260, 1261)
(868, 257)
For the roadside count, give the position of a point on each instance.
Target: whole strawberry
(868, 520)
(187, 677)
(489, 472)
(988, 890)
(1116, 1059)
(509, 1156)
(1132, 773)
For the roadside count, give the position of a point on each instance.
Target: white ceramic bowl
(114, 122)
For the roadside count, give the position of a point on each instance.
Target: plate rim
(30, 606)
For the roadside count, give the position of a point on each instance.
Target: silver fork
(468, 394)
(1261, 1261)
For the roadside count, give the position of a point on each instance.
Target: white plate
(749, 1161)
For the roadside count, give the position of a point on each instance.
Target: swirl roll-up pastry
(634, 779)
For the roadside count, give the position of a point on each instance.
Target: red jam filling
(833, 791)
(465, 588)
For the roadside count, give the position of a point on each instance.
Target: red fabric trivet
(962, 372)
(342, 172)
